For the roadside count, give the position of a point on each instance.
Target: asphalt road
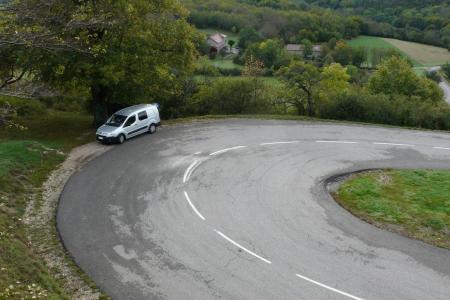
(446, 89)
(222, 209)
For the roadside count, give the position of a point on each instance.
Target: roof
(132, 109)
(218, 37)
(317, 48)
(294, 47)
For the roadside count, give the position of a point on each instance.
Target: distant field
(420, 54)
(373, 42)
(426, 55)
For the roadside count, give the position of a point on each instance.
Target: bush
(358, 105)
(24, 107)
(232, 96)
(230, 72)
(71, 104)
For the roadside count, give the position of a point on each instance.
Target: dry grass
(424, 54)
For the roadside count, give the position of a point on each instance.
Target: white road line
(441, 148)
(337, 142)
(394, 144)
(278, 143)
(188, 170)
(328, 287)
(243, 248)
(226, 149)
(193, 207)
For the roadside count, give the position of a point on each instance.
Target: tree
(302, 78)
(446, 69)
(248, 36)
(334, 80)
(231, 43)
(253, 67)
(395, 76)
(270, 52)
(342, 53)
(122, 51)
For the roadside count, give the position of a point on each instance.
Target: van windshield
(115, 120)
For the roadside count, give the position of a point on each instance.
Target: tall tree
(303, 79)
(395, 76)
(121, 50)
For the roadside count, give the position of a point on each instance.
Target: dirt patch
(40, 218)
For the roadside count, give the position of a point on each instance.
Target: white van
(129, 122)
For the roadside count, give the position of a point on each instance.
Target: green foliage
(395, 76)
(414, 200)
(26, 159)
(248, 36)
(287, 22)
(413, 20)
(270, 52)
(234, 96)
(446, 70)
(308, 84)
(24, 108)
(138, 51)
(359, 105)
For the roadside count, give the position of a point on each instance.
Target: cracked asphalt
(127, 223)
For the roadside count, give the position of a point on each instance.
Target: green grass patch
(225, 63)
(414, 203)
(372, 42)
(26, 159)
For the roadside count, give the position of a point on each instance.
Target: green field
(421, 55)
(414, 203)
(225, 63)
(371, 43)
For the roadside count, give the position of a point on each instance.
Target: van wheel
(152, 128)
(121, 139)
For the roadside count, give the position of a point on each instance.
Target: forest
(418, 21)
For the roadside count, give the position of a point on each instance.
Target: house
(217, 42)
(299, 49)
(317, 51)
(295, 49)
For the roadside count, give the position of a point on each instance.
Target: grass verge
(27, 157)
(414, 203)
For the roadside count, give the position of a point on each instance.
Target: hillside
(419, 21)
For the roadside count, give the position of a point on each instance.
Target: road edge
(43, 235)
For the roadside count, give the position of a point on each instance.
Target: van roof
(132, 109)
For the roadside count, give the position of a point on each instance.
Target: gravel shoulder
(40, 218)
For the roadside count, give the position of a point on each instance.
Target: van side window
(130, 121)
(142, 115)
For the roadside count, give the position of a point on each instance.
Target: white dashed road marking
(441, 148)
(394, 144)
(242, 247)
(188, 172)
(278, 143)
(338, 142)
(193, 206)
(328, 287)
(226, 150)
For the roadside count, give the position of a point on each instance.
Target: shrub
(230, 72)
(358, 105)
(24, 107)
(232, 96)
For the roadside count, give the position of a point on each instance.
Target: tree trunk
(310, 105)
(98, 93)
